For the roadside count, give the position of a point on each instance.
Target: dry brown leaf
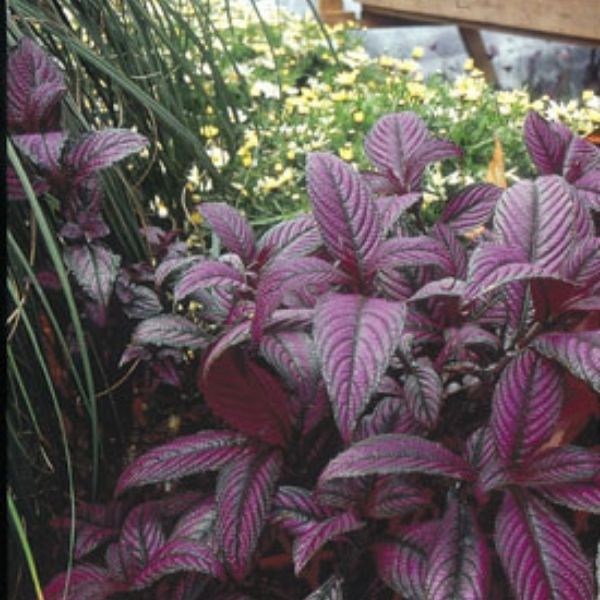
(496, 173)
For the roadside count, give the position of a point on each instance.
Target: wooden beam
(476, 50)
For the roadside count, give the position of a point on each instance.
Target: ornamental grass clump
(397, 410)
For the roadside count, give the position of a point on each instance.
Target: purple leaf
(204, 451)
(344, 493)
(355, 338)
(168, 330)
(207, 274)
(546, 143)
(396, 453)
(345, 213)
(177, 555)
(535, 547)
(481, 452)
(42, 149)
(454, 249)
(380, 185)
(543, 218)
(95, 269)
(197, 524)
(263, 413)
(141, 539)
(244, 493)
(400, 146)
(295, 510)
(577, 352)
(392, 497)
(393, 285)
(86, 582)
(90, 537)
(289, 276)
(472, 207)
(231, 228)
(330, 590)
(97, 150)
(402, 561)
(414, 252)
(15, 189)
(567, 464)
(582, 265)
(172, 265)
(35, 86)
(390, 415)
(459, 564)
(141, 303)
(581, 158)
(289, 239)
(525, 406)
(580, 495)
(391, 208)
(313, 538)
(293, 356)
(423, 391)
(588, 188)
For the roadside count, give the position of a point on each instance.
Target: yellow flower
(358, 116)
(386, 61)
(196, 218)
(196, 198)
(209, 131)
(339, 96)
(209, 110)
(346, 152)
(408, 66)
(346, 77)
(247, 160)
(469, 64)
(418, 52)
(416, 89)
(291, 155)
(278, 167)
(587, 95)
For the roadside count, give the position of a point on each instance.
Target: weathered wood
(576, 20)
(332, 12)
(476, 49)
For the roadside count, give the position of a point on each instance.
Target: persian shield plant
(399, 411)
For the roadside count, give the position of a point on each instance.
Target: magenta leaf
(567, 464)
(391, 208)
(400, 147)
(168, 330)
(588, 187)
(231, 228)
(393, 285)
(248, 397)
(172, 265)
(204, 451)
(85, 582)
(197, 524)
(95, 269)
(447, 286)
(355, 338)
(244, 493)
(579, 495)
(459, 563)
(295, 510)
(207, 274)
(546, 143)
(423, 391)
(141, 538)
(472, 207)
(15, 189)
(396, 453)
(314, 537)
(525, 406)
(535, 546)
(401, 561)
(414, 252)
(42, 149)
(390, 415)
(293, 356)
(345, 213)
(289, 276)
(343, 493)
(543, 218)
(454, 249)
(177, 555)
(577, 352)
(289, 239)
(392, 497)
(35, 86)
(97, 150)
(582, 265)
(330, 590)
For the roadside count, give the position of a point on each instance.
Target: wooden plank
(572, 19)
(476, 49)
(332, 12)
